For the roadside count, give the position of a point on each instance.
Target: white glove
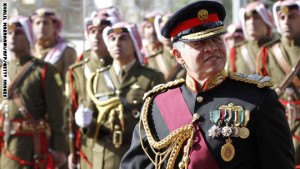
(83, 116)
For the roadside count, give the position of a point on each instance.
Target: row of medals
(235, 126)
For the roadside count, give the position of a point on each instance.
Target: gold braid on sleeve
(171, 145)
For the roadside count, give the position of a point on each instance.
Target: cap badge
(12, 26)
(249, 13)
(203, 14)
(231, 29)
(118, 30)
(151, 19)
(40, 12)
(284, 9)
(96, 22)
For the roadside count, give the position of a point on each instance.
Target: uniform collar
(209, 84)
(45, 44)
(291, 42)
(23, 59)
(259, 42)
(126, 67)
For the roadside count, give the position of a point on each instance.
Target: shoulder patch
(78, 63)
(260, 81)
(163, 87)
(58, 79)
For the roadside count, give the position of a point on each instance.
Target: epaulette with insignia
(163, 87)
(260, 81)
(79, 63)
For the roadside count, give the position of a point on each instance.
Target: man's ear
(177, 55)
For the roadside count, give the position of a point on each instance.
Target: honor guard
(257, 24)
(95, 58)
(234, 35)
(153, 46)
(211, 119)
(165, 61)
(115, 95)
(280, 59)
(50, 46)
(31, 112)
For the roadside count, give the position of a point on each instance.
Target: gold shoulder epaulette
(260, 81)
(102, 69)
(163, 87)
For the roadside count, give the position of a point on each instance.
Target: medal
(226, 131)
(215, 130)
(227, 151)
(235, 129)
(244, 132)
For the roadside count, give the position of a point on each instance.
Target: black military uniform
(235, 121)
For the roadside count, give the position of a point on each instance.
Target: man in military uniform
(234, 35)
(50, 47)
(31, 107)
(212, 119)
(95, 58)
(167, 63)
(116, 96)
(257, 24)
(281, 63)
(153, 47)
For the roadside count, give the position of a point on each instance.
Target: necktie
(121, 75)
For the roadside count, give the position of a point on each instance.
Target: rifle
(289, 78)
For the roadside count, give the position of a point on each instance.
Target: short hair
(179, 45)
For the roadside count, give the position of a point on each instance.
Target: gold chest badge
(203, 14)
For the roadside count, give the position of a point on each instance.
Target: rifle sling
(284, 64)
(20, 77)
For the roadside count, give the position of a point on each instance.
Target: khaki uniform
(241, 62)
(80, 72)
(167, 65)
(67, 58)
(137, 81)
(291, 53)
(43, 100)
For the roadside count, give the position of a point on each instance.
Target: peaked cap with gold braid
(197, 21)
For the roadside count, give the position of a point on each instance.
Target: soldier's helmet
(197, 21)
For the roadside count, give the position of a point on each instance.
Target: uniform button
(199, 99)
(135, 102)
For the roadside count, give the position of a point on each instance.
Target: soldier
(95, 58)
(154, 46)
(280, 61)
(257, 26)
(165, 62)
(116, 96)
(212, 119)
(50, 47)
(33, 106)
(234, 35)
